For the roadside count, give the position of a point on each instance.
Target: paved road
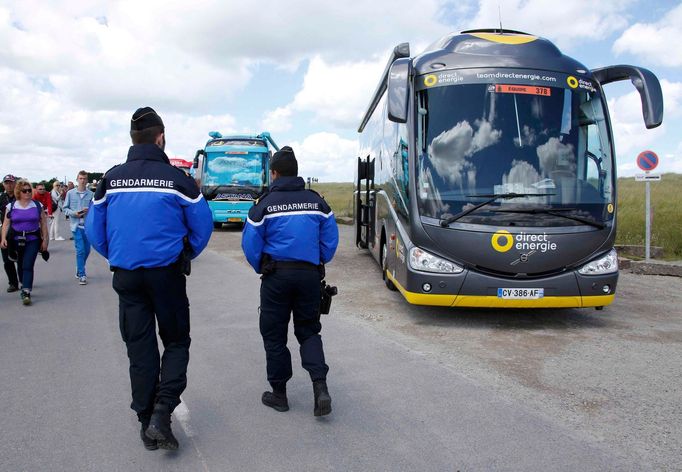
(65, 393)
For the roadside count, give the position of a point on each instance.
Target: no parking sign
(647, 160)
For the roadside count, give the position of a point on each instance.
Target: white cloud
(278, 120)
(42, 135)
(294, 30)
(336, 93)
(326, 156)
(655, 42)
(570, 24)
(631, 136)
(115, 66)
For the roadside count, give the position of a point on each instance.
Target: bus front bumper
(229, 212)
(568, 290)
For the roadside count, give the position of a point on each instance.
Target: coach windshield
(501, 134)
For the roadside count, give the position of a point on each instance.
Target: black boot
(149, 444)
(160, 428)
(323, 402)
(276, 399)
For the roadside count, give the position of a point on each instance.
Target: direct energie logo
(430, 80)
(502, 241)
(572, 81)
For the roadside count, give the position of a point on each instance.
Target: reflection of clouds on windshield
(430, 198)
(523, 173)
(448, 151)
(210, 180)
(231, 164)
(528, 137)
(555, 155)
(252, 177)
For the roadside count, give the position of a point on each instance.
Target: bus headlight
(604, 265)
(422, 260)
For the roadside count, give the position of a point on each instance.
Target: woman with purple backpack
(27, 236)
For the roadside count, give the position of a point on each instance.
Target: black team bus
(487, 173)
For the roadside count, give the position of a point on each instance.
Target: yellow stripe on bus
(480, 301)
(506, 38)
(422, 298)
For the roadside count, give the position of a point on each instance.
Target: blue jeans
(80, 240)
(26, 260)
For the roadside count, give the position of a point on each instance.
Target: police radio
(326, 294)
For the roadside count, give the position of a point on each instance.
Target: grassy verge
(666, 204)
(666, 201)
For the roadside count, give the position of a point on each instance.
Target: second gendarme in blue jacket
(144, 208)
(290, 223)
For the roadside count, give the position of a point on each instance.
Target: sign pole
(647, 161)
(647, 242)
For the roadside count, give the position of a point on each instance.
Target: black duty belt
(301, 265)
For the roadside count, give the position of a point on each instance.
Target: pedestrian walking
(148, 219)
(288, 237)
(43, 196)
(10, 266)
(24, 234)
(57, 203)
(76, 206)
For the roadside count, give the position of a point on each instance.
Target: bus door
(364, 203)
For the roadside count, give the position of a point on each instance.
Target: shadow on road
(229, 228)
(511, 319)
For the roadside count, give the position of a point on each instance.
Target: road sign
(647, 160)
(647, 177)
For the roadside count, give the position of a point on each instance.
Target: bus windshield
(479, 140)
(245, 169)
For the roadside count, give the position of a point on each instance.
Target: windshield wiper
(556, 212)
(491, 198)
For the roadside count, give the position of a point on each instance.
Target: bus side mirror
(399, 90)
(195, 164)
(646, 84)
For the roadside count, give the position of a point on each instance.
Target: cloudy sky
(73, 71)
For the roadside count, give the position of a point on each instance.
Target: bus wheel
(217, 225)
(384, 257)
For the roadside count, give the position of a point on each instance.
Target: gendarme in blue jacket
(290, 223)
(142, 210)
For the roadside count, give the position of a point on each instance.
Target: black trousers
(146, 296)
(281, 293)
(10, 268)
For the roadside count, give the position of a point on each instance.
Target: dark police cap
(144, 118)
(284, 159)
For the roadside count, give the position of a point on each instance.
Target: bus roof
(494, 48)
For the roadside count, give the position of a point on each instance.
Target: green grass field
(666, 201)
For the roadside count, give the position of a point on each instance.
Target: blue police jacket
(290, 223)
(143, 209)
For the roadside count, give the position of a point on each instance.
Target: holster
(185, 260)
(267, 265)
(326, 294)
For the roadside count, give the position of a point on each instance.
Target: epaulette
(259, 199)
(311, 190)
(184, 172)
(117, 165)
